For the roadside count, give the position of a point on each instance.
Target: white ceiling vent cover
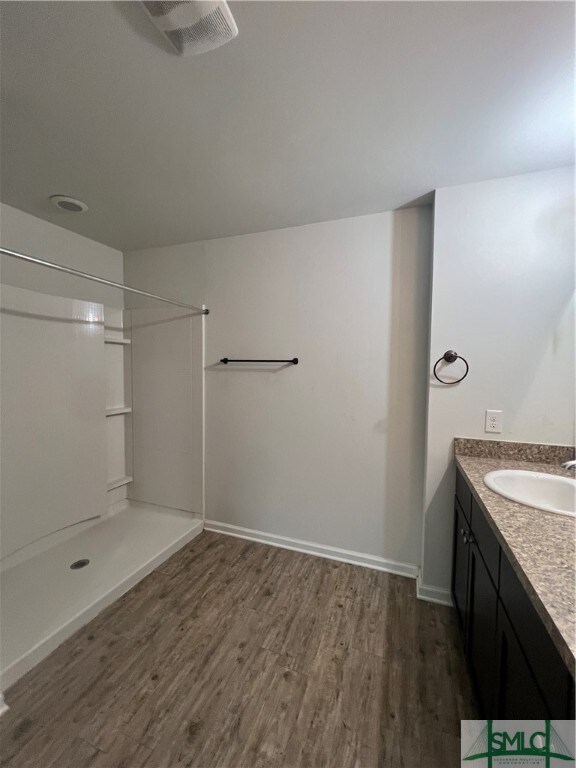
(193, 26)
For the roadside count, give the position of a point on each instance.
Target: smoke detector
(68, 204)
(193, 26)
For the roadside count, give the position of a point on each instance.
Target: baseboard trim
(320, 550)
(432, 594)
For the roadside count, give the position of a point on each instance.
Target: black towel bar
(226, 360)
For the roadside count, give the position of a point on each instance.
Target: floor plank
(234, 654)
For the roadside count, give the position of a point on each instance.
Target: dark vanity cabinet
(482, 605)
(460, 566)
(516, 688)
(516, 670)
(475, 595)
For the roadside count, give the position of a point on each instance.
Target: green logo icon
(544, 745)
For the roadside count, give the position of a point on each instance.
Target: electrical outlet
(493, 422)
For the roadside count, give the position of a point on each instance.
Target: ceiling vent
(193, 26)
(68, 204)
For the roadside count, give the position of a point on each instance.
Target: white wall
(22, 232)
(503, 297)
(329, 451)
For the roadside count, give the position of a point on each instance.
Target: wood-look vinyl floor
(234, 654)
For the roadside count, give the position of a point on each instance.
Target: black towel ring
(450, 357)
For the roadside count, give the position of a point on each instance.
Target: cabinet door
(548, 667)
(460, 566)
(481, 634)
(518, 696)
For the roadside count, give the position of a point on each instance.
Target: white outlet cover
(493, 421)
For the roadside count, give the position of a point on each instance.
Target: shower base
(44, 601)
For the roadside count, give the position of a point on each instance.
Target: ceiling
(316, 111)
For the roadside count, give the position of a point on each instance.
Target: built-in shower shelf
(116, 340)
(118, 411)
(120, 481)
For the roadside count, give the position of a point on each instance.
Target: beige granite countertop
(541, 547)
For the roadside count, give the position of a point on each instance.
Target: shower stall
(102, 450)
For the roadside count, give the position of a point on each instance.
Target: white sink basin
(535, 489)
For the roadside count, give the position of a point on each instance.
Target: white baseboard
(433, 594)
(320, 550)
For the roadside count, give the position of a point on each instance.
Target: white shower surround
(43, 601)
(53, 458)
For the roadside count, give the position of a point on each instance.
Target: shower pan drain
(79, 564)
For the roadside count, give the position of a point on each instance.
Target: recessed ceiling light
(68, 204)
